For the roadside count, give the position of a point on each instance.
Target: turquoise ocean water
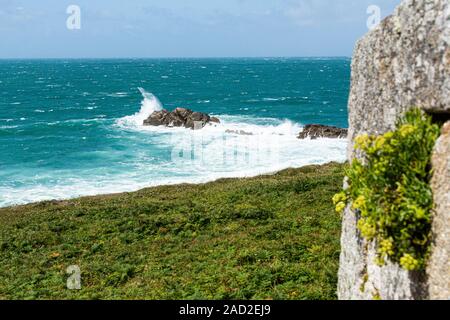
(73, 128)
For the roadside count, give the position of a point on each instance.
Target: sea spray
(91, 138)
(150, 103)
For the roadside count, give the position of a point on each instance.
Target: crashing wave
(149, 104)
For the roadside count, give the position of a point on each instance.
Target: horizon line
(173, 57)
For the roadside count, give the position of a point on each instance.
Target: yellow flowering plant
(389, 190)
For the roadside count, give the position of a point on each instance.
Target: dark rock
(156, 118)
(183, 113)
(214, 119)
(315, 131)
(174, 119)
(180, 117)
(198, 116)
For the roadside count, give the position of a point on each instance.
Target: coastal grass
(268, 237)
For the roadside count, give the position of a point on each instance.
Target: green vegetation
(390, 189)
(269, 237)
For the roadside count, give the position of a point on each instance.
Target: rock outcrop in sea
(180, 117)
(403, 63)
(315, 131)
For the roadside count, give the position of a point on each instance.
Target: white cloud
(301, 15)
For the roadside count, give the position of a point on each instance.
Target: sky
(182, 28)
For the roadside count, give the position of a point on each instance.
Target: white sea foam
(118, 95)
(149, 104)
(240, 146)
(272, 142)
(293, 153)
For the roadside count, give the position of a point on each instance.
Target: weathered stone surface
(315, 131)
(156, 118)
(439, 265)
(352, 266)
(403, 63)
(362, 279)
(180, 117)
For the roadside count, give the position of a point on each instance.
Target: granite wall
(404, 62)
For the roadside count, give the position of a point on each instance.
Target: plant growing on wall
(389, 189)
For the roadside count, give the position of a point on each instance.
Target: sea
(71, 128)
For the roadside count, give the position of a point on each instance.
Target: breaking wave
(150, 103)
(240, 146)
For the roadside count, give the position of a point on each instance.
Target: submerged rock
(180, 117)
(315, 131)
(214, 119)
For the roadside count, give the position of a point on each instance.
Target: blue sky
(181, 28)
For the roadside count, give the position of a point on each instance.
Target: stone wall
(439, 266)
(404, 62)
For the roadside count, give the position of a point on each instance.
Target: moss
(376, 296)
(390, 190)
(362, 288)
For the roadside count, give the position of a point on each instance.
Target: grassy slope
(269, 237)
